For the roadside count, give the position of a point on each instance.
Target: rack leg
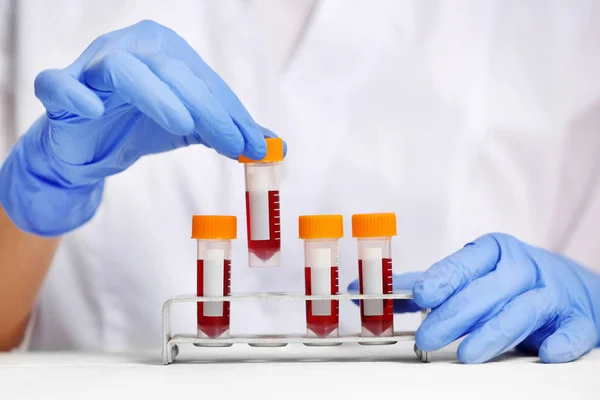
(174, 352)
(165, 355)
(424, 356)
(169, 353)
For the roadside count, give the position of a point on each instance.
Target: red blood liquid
(265, 249)
(213, 326)
(377, 324)
(322, 325)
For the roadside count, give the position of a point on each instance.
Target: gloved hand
(503, 293)
(133, 92)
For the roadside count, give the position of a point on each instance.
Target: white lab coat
(462, 117)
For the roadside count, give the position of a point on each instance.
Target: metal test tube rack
(171, 343)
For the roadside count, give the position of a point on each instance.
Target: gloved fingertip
(255, 147)
(575, 337)
(90, 107)
(267, 133)
(255, 151)
(405, 281)
(426, 339)
(60, 92)
(557, 349)
(548, 357)
(468, 359)
(353, 288)
(467, 354)
(426, 293)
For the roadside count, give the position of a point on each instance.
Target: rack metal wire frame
(171, 343)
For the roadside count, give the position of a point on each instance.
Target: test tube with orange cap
(213, 234)
(262, 206)
(321, 234)
(374, 240)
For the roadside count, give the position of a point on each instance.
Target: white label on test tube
(372, 277)
(320, 280)
(259, 215)
(214, 276)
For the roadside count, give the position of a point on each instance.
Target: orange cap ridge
(274, 152)
(213, 227)
(320, 226)
(374, 225)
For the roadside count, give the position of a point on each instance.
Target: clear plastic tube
(213, 234)
(321, 278)
(374, 240)
(321, 234)
(214, 280)
(262, 214)
(375, 277)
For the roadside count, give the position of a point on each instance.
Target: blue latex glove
(503, 293)
(133, 92)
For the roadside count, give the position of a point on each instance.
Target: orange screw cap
(374, 225)
(214, 227)
(320, 227)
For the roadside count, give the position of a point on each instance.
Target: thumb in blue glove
(401, 283)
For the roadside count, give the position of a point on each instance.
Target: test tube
(262, 206)
(213, 234)
(374, 240)
(321, 234)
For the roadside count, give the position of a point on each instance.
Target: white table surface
(296, 371)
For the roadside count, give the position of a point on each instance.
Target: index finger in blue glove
(454, 272)
(270, 134)
(401, 282)
(213, 123)
(255, 145)
(122, 73)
